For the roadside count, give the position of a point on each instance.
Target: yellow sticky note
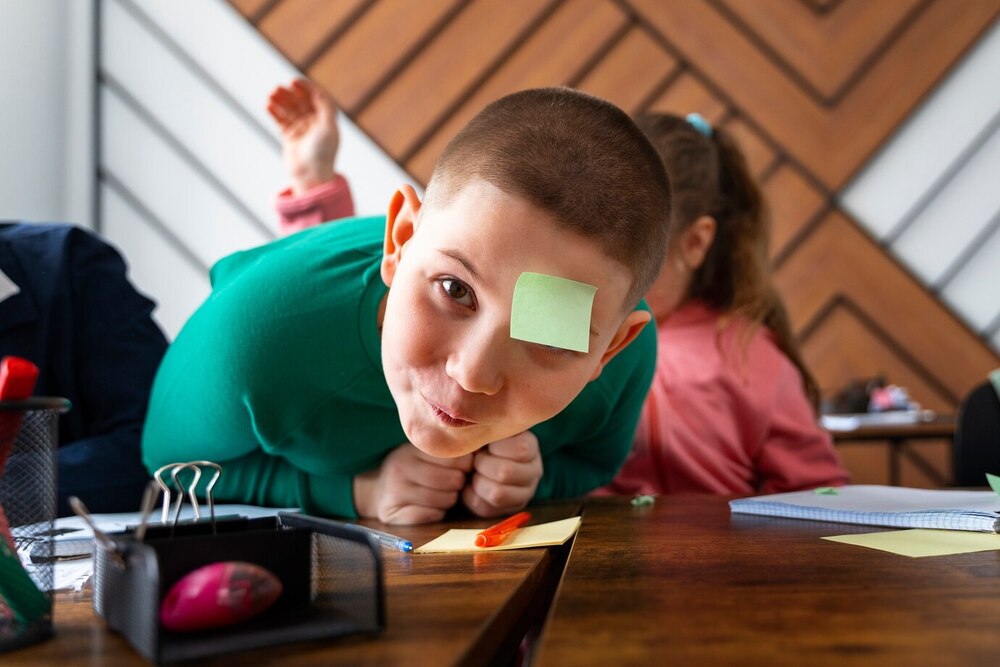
(921, 542)
(552, 311)
(459, 540)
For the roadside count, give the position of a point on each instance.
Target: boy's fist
(505, 476)
(410, 487)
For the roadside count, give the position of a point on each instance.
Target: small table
(898, 436)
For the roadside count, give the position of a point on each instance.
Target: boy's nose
(476, 363)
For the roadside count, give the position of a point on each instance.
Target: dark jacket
(80, 320)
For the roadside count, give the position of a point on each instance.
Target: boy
(390, 370)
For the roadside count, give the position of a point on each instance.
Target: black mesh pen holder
(28, 497)
(331, 575)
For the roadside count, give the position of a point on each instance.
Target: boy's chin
(444, 448)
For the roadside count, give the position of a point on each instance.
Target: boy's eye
(458, 291)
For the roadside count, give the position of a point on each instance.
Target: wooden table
(442, 609)
(941, 427)
(684, 583)
(681, 582)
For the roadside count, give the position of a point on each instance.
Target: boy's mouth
(446, 417)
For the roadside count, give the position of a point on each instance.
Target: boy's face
(458, 379)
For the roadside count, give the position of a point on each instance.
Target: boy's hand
(410, 487)
(307, 118)
(505, 476)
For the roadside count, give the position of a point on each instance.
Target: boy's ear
(696, 241)
(626, 333)
(400, 223)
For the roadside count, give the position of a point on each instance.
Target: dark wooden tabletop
(684, 583)
(442, 609)
(940, 426)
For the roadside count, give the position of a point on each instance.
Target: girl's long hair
(709, 176)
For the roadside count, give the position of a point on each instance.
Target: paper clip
(175, 470)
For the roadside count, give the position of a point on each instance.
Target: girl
(732, 408)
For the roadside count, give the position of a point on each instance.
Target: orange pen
(497, 534)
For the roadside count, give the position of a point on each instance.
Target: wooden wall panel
(806, 128)
(371, 55)
(793, 201)
(479, 39)
(809, 88)
(631, 72)
(827, 51)
(302, 28)
(589, 24)
(839, 260)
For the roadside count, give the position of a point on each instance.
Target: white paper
(8, 287)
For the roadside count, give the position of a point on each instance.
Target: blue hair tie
(699, 124)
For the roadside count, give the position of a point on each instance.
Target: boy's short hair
(577, 157)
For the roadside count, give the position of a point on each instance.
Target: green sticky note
(825, 491)
(552, 311)
(995, 380)
(994, 482)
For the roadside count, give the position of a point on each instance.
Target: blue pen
(388, 540)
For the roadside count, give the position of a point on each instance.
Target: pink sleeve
(329, 201)
(796, 452)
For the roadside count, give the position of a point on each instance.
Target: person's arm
(307, 119)
(328, 201)
(118, 349)
(796, 453)
(592, 459)
(258, 478)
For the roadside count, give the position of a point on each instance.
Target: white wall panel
(975, 291)
(930, 141)
(933, 192)
(952, 220)
(192, 112)
(208, 223)
(155, 267)
(247, 68)
(33, 72)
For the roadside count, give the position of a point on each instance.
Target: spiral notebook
(875, 505)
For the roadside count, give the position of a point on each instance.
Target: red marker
(17, 381)
(497, 534)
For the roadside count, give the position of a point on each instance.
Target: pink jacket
(328, 201)
(722, 420)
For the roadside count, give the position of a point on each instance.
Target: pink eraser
(219, 594)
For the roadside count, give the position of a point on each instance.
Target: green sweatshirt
(278, 378)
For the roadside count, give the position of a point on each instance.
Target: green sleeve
(575, 470)
(593, 452)
(260, 479)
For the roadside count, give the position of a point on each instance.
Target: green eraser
(643, 500)
(552, 311)
(825, 491)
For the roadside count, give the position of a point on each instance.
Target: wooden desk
(898, 436)
(442, 609)
(684, 583)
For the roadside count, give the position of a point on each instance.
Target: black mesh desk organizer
(331, 574)
(28, 495)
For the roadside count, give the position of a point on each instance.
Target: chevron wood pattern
(810, 89)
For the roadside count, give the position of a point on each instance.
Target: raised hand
(307, 118)
(505, 476)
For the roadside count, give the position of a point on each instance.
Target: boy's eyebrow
(458, 257)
